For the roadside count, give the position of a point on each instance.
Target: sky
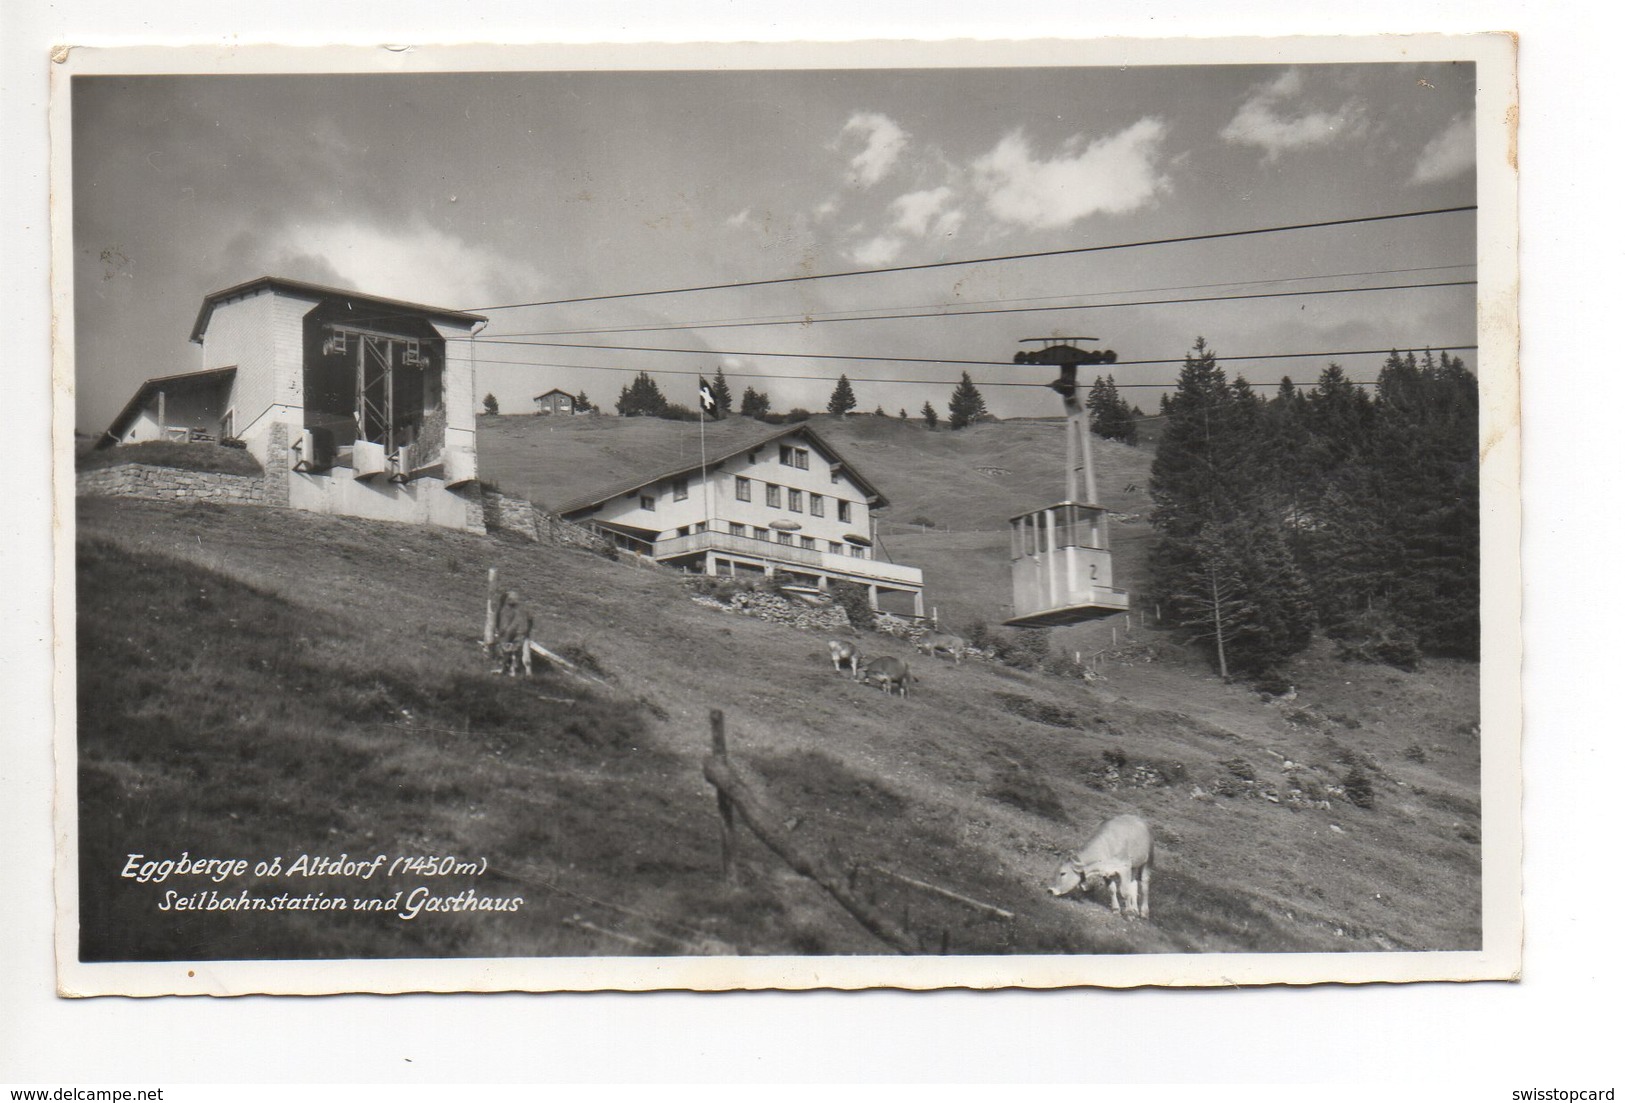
(480, 191)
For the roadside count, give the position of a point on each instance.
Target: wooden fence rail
(734, 795)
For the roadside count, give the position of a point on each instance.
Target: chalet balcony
(867, 571)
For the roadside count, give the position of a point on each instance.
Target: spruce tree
(724, 397)
(966, 405)
(928, 414)
(491, 404)
(841, 400)
(1109, 416)
(641, 398)
(583, 403)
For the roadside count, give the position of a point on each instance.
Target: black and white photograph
(705, 518)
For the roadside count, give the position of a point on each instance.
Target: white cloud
(416, 262)
(740, 219)
(877, 250)
(927, 213)
(1114, 175)
(1451, 152)
(1267, 121)
(883, 141)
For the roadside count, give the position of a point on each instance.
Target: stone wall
(496, 512)
(140, 480)
(780, 610)
(277, 462)
(525, 518)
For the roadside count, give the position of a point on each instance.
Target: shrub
(855, 600)
(1374, 637)
(1358, 788)
(1272, 682)
(797, 415)
(1241, 768)
(1027, 649)
(1415, 753)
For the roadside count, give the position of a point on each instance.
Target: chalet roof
(727, 450)
(554, 391)
(277, 283)
(143, 394)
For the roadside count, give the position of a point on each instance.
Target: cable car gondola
(1060, 561)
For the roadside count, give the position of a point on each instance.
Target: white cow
(932, 642)
(1118, 855)
(889, 672)
(844, 652)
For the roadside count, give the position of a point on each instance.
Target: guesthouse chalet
(556, 402)
(354, 404)
(783, 504)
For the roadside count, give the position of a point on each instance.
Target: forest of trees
(1333, 508)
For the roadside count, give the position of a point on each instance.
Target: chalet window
(735, 528)
(785, 452)
(786, 538)
(772, 496)
(741, 488)
(647, 501)
(682, 530)
(679, 490)
(795, 501)
(843, 511)
(857, 552)
(816, 501)
(837, 548)
(763, 534)
(809, 543)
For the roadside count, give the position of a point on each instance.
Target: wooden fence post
(490, 608)
(725, 805)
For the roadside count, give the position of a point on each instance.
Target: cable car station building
(351, 402)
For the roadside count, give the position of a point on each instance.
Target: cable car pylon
(1060, 560)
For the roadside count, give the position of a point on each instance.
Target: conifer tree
(641, 398)
(1109, 416)
(965, 406)
(928, 413)
(724, 397)
(491, 404)
(841, 400)
(583, 403)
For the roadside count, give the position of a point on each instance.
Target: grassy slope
(281, 683)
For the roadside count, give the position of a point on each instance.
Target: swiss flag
(708, 401)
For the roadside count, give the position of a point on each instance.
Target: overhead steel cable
(799, 355)
(483, 361)
(512, 338)
(821, 319)
(1073, 251)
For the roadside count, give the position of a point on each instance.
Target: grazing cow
(511, 645)
(932, 642)
(1118, 855)
(843, 651)
(889, 672)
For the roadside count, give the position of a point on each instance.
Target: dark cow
(511, 644)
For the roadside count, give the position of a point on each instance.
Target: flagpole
(705, 481)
